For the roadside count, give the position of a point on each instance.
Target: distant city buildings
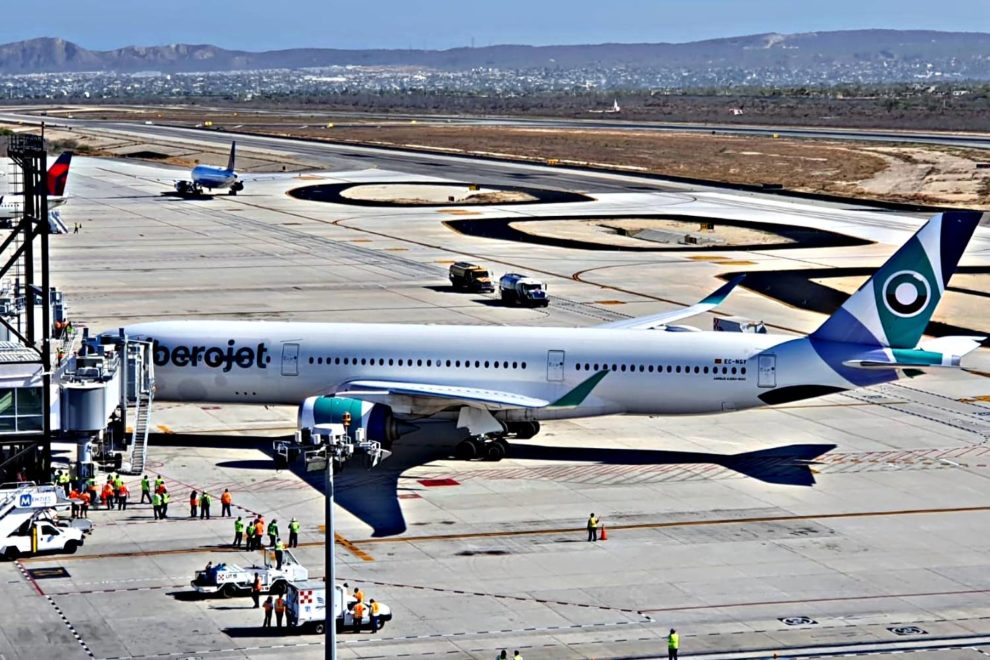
(388, 80)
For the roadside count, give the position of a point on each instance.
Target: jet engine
(376, 419)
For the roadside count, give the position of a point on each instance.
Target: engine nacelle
(376, 419)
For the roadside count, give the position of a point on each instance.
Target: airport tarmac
(855, 523)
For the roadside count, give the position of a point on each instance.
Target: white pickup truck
(39, 535)
(230, 580)
(306, 604)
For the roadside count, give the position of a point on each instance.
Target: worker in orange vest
(122, 494)
(358, 595)
(256, 591)
(225, 500)
(268, 613)
(279, 610)
(375, 609)
(358, 614)
(259, 531)
(84, 507)
(106, 497)
(193, 503)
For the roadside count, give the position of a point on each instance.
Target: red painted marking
(430, 483)
(410, 496)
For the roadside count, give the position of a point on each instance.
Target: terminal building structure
(68, 401)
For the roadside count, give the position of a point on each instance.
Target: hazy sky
(264, 24)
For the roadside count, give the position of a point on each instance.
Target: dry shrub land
(904, 173)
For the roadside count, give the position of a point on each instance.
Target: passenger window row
(410, 362)
(649, 368)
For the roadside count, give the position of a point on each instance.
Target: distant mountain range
(908, 52)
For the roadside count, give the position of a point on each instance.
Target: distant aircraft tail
(892, 308)
(58, 175)
(230, 161)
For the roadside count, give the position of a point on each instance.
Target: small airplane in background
(212, 178)
(58, 176)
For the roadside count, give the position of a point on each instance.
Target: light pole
(331, 626)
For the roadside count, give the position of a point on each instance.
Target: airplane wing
(380, 390)
(709, 303)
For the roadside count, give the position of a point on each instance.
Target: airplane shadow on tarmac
(372, 495)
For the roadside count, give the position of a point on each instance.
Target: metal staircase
(140, 389)
(142, 426)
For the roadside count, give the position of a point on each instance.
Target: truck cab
(38, 535)
(517, 289)
(470, 277)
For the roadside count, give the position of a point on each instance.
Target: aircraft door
(555, 366)
(767, 371)
(290, 359)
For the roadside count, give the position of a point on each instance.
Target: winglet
(718, 296)
(708, 303)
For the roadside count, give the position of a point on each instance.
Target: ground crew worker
(165, 499)
(673, 643)
(358, 595)
(358, 614)
(279, 610)
(259, 531)
(268, 613)
(159, 483)
(592, 528)
(106, 495)
(156, 504)
(256, 590)
(374, 608)
(272, 533)
(84, 507)
(279, 554)
(145, 489)
(193, 503)
(122, 494)
(250, 537)
(502, 656)
(516, 656)
(74, 497)
(293, 533)
(204, 505)
(63, 481)
(238, 532)
(225, 500)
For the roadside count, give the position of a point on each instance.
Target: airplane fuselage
(648, 372)
(211, 178)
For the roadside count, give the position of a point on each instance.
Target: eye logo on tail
(906, 293)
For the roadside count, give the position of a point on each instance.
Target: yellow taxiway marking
(677, 523)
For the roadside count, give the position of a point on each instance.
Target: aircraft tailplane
(230, 161)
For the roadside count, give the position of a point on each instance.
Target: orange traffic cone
(604, 533)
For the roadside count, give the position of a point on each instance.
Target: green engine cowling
(376, 419)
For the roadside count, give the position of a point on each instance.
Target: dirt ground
(903, 173)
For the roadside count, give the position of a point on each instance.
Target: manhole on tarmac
(48, 573)
(907, 630)
(797, 621)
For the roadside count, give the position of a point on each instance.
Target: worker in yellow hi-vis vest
(673, 643)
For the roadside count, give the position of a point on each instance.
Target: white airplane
(210, 177)
(58, 176)
(495, 381)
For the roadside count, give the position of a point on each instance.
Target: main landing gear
(487, 447)
(493, 446)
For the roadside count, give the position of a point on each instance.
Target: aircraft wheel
(496, 450)
(468, 450)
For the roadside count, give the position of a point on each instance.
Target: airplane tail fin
(230, 161)
(58, 175)
(892, 308)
